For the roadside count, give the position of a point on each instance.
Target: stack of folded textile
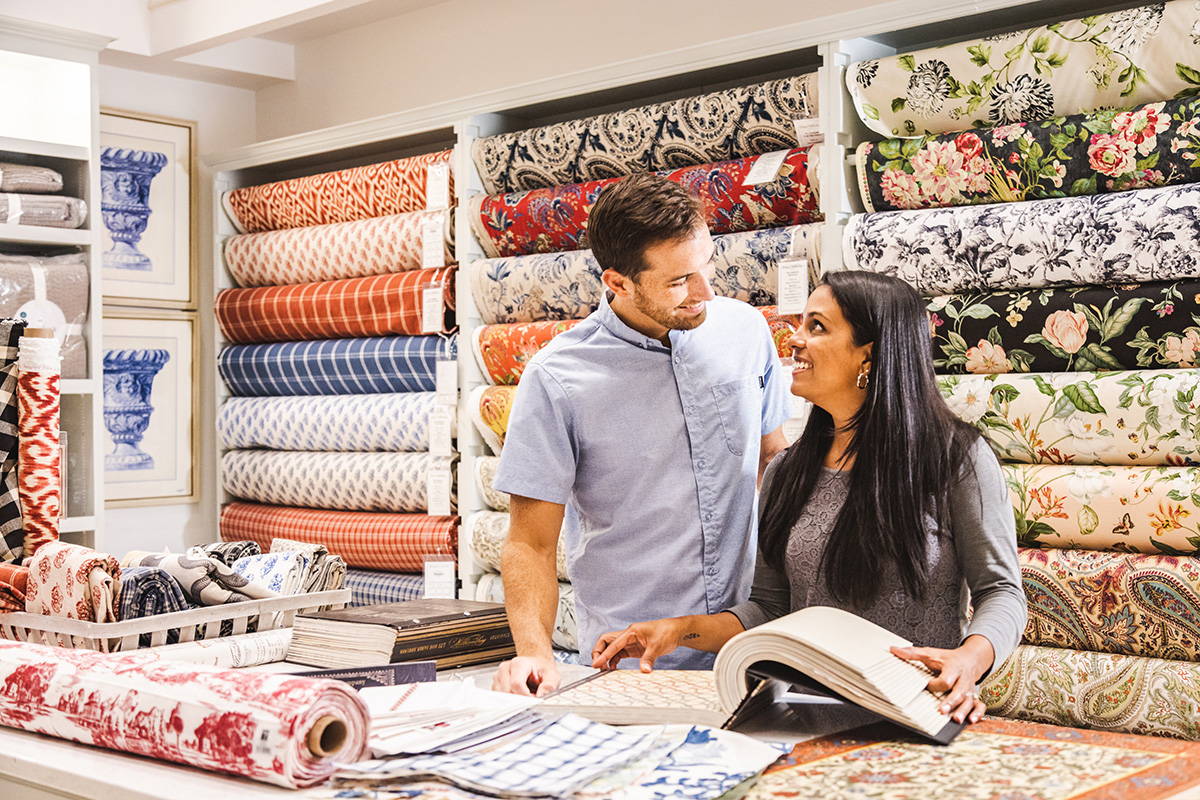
(26, 198)
(344, 307)
(1058, 249)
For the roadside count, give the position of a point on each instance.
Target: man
(646, 426)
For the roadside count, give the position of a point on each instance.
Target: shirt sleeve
(776, 407)
(539, 454)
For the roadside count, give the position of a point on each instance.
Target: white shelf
(45, 149)
(39, 234)
(77, 386)
(76, 524)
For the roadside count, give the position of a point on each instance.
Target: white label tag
(433, 230)
(441, 430)
(432, 313)
(437, 186)
(437, 488)
(808, 131)
(447, 383)
(440, 578)
(14, 209)
(766, 168)
(793, 286)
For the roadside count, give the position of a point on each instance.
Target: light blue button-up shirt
(654, 452)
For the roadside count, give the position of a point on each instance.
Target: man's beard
(666, 317)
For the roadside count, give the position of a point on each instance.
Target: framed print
(150, 420)
(148, 206)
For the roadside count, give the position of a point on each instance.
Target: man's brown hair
(638, 212)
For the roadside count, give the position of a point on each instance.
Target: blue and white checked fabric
(149, 591)
(370, 587)
(370, 365)
(283, 572)
(397, 423)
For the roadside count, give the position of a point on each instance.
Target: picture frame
(147, 213)
(149, 396)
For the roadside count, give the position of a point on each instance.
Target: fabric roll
(393, 542)
(14, 584)
(567, 285)
(555, 218)
(1127, 237)
(380, 305)
(66, 580)
(370, 587)
(325, 572)
(485, 477)
(1085, 328)
(487, 532)
(338, 481)
(29, 178)
(490, 589)
(1103, 691)
(283, 573)
(50, 292)
(490, 407)
(1104, 60)
(42, 210)
(376, 190)
(149, 591)
(1145, 417)
(1125, 509)
(241, 722)
(732, 123)
(12, 531)
(375, 246)
(229, 552)
(205, 581)
(38, 455)
(376, 365)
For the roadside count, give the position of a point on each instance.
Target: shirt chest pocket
(739, 407)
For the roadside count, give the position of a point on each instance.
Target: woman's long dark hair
(908, 448)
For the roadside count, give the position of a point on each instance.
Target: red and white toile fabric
(66, 580)
(38, 456)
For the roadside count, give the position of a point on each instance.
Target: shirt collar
(617, 327)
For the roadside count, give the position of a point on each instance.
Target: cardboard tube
(326, 737)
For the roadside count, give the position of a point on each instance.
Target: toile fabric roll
(374, 190)
(370, 587)
(1125, 237)
(14, 584)
(29, 178)
(490, 408)
(1103, 60)
(241, 722)
(50, 292)
(364, 247)
(325, 571)
(39, 482)
(228, 552)
(12, 531)
(1144, 417)
(728, 124)
(490, 589)
(48, 211)
(338, 481)
(374, 365)
(1085, 328)
(66, 580)
(370, 540)
(1103, 691)
(205, 581)
(567, 285)
(283, 572)
(1134, 604)
(148, 592)
(485, 477)
(1123, 509)
(555, 218)
(488, 530)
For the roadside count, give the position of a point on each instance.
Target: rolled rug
(383, 364)
(29, 178)
(38, 452)
(1098, 239)
(50, 292)
(282, 572)
(370, 587)
(279, 729)
(149, 591)
(1144, 417)
(229, 552)
(14, 584)
(12, 532)
(490, 407)
(490, 589)
(42, 210)
(488, 530)
(325, 571)
(205, 581)
(485, 476)
(66, 580)
(375, 190)
(374, 246)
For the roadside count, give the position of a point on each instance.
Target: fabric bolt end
(490, 409)
(66, 580)
(372, 587)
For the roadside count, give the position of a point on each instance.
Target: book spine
(452, 645)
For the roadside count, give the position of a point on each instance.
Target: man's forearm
(531, 594)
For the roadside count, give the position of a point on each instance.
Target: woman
(888, 506)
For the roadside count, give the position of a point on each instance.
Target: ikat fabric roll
(375, 190)
(66, 580)
(490, 407)
(240, 722)
(370, 540)
(38, 455)
(1111, 60)
(1085, 328)
(1126, 237)
(1145, 417)
(485, 478)
(375, 365)
(490, 589)
(1103, 691)
(42, 210)
(325, 571)
(732, 123)
(149, 591)
(1123, 509)
(29, 178)
(375, 246)
(12, 532)
(14, 584)
(282, 572)
(555, 218)
(370, 587)
(488, 530)
(205, 581)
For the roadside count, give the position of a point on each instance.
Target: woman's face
(827, 359)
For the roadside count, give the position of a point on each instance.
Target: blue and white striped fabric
(369, 587)
(370, 365)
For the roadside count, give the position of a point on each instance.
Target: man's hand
(527, 675)
(645, 640)
(957, 673)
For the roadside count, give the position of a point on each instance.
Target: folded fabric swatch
(1133, 326)
(43, 210)
(283, 573)
(369, 587)
(28, 178)
(1134, 56)
(149, 591)
(12, 532)
(490, 407)
(485, 476)
(555, 218)
(487, 532)
(50, 292)
(228, 552)
(364, 539)
(375, 246)
(1127, 237)
(342, 481)
(325, 572)
(731, 123)
(14, 583)
(490, 589)
(39, 457)
(1147, 417)
(1104, 691)
(1126, 509)
(567, 285)
(374, 365)
(205, 581)
(66, 580)
(375, 306)
(376, 190)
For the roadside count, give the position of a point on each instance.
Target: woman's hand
(645, 640)
(958, 671)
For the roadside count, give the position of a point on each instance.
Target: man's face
(674, 289)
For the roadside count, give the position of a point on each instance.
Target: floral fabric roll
(282, 572)
(485, 477)
(488, 530)
(66, 580)
(325, 571)
(490, 407)
(149, 591)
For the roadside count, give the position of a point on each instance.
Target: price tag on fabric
(808, 131)
(441, 430)
(447, 383)
(433, 231)
(432, 313)
(14, 208)
(766, 168)
(793, 285)
(437, 487)
(437, 186)
(441, 579)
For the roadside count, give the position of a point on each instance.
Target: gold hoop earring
(863, 380)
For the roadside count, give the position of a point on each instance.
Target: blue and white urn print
(125, 177)
(128, 380)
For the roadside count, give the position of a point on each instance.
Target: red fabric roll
(14, 583)
(39, 484)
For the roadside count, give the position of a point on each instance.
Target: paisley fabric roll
(14, 583)
(1103, 691)
(1124, 509)
(490, 407)
(732, 123)
(1085, 328)
(487, 532)
(1127, 237)
(485, 477)
(567, 285)
(39, 464)
(555, 218)
(282, 572)
(393, 542)
(325, 571)
(375, 246)
(376, 190)
(490, 589)
(228, 552)
(1148, 417)
(1104, 60)
(369, 587)
(12, 532)
(205, 581)
(149, 591)
(66, 580)
(383, 364)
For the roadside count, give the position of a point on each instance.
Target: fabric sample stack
(344, 308)
(26, 198)
(1057, 249)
